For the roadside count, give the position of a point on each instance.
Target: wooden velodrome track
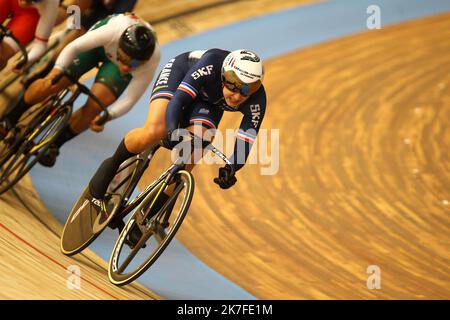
(364, 174)
(363, 181)
(31, 264)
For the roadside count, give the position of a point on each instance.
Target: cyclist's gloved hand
(98, 124)
(226, 178)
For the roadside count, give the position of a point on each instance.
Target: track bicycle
(36, 130)
(86, 221)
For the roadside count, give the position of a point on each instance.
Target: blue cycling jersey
(192, 82)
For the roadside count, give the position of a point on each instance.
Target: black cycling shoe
(48, 158)
(133, 237)
(117, 224)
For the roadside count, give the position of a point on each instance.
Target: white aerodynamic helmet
(242, 71)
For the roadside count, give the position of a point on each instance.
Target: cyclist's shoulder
(118, 22)
(211, 57)
(216, 54)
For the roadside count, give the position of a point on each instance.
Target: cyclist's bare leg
(135, 142)
(82, 118)
(37, 92)
(154, 129)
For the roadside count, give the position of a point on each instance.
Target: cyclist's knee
(155, 131)
(146, 136)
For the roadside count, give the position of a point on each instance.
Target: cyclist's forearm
(37, 50)
(71, 36)
(136, 89)
(90, 40)
(241, 151)
(48, 12)
(245, 138)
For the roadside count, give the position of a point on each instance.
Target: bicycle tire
(26, 124)
(22, 156)
(67, 237)
(120, 279)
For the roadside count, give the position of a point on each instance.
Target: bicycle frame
(43, 125)
(164, 179)
(158, 222)
(80, 88)
(56, 105)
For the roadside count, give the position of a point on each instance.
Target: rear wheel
(15, 137)
(126, 264)
(86, 221)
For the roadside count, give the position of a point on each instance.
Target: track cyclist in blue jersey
(194, 89)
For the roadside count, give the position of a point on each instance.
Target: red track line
(53, 260)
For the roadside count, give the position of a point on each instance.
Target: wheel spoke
(13, 165)
(38, 132)
(121, 269)
(162, 215)
(135, 250)
(160, 233)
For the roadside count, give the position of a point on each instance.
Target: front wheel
(20, 156)
(127, 264)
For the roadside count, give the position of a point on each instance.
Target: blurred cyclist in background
(91, 12)
(125, 49)
(30, 19)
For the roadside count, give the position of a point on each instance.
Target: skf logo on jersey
(202, 72)
(256, 114)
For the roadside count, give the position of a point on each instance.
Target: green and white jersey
(106, 33)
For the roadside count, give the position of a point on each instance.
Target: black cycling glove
(226, 178)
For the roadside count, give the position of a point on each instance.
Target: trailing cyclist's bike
(156, 225)
(36, 130)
